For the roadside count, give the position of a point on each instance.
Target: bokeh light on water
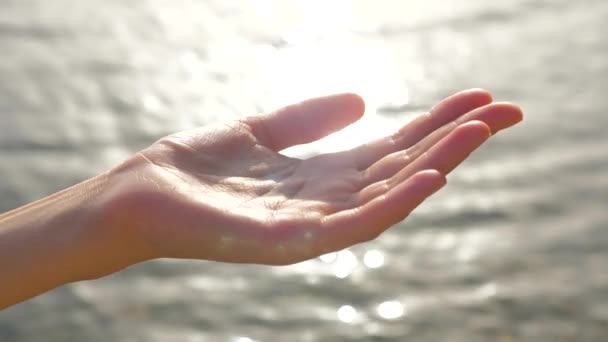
(512, 249)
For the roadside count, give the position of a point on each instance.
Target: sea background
(515, 248)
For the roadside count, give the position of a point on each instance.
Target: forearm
(63, 238)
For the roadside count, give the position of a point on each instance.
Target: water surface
(514, 249)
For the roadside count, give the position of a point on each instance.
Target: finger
(306, 121)
(497, 116)
(449, 152)
(443, 156)
(446, 111)
(366, 222)
(388, 166)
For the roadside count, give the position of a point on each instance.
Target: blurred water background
(514, 249)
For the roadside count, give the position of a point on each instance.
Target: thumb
(306, 121)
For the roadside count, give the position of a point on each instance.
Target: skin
(225, 192)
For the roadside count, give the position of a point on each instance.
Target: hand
(225, 193)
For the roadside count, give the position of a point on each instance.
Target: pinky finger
(368, 221)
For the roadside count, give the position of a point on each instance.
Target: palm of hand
(224, 192)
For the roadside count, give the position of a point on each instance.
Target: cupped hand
(225, 192)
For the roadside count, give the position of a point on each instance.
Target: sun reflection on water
(347, 314)
(391, 309)
(345, 263)
(373, 258)
(322, 57)
(244, 339)
(316, 49)
(329, 257)
(316, 69)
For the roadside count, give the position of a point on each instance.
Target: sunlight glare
(325, 58)
(308, 71)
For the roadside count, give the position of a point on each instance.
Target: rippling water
(515, 248)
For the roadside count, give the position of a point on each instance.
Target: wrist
(83, 219)
(62, 238)
(119, 219)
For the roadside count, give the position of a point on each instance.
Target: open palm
(224, 192)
